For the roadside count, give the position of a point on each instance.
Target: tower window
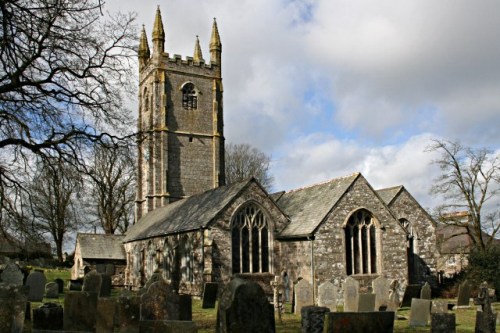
(189, 96)
(361, 244)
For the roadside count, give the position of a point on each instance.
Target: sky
(329, 87)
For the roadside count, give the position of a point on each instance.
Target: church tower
(180, 123)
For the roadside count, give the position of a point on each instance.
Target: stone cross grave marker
(443, 323)
(420, 312)
(486, 318)
(36, 281)
(351, 295)
(51, 290)
(425, 292)
(12, 275)
(327, 296)
(92, 282)
(366, 302)
(277, 286)
(160, 302)
(381, 289)
(303, 295)
(464, 291)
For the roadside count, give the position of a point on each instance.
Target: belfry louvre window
(189, 96)
(250, 241)
(361, 244)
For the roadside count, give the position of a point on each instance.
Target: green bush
(485, 266)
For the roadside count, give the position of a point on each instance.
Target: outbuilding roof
(101, 246)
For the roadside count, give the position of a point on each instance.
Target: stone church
(193, 228)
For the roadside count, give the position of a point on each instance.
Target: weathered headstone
(426, 292)
(168, 326)
(60, 285)
(80, 311)
(75, 285)
(359, 322)
(185, 308)
(485, 318)
(327, 296)
(366, 302)
(313, 318)
(105, 286)
(155, 277)
(420, 312)
(394, 299)
(160, 302)
(128, 313)
(464, 290)
(51, 290)
(12, 275)
(110, 269)
(92, 282)
(49, 316)
(381, 289)
(439, 306)
(351, 295)
(106, 315)
(303, 295)
(443, 323)
(36, 281)
(13, 301)
(244, 307)
(209, 295)
(412, 291)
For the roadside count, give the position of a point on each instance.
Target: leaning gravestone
(351, 295)
(412, 291)
(313, 318)
(36, 281)
(160, 302)
(51, 290)
(366, 303)
(425, 292)
(381, 289)
(13, 300)
(443, 323)
(12, 275)
(92, 282)
(303, 295)
(209, 295)
(49, 316)
(80, 311)
(243, 307)
(420, 312)
(327, 296)
(464, 291)
(359, 322)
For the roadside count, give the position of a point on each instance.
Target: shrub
(485, 266)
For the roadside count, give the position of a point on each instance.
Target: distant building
(12, 247)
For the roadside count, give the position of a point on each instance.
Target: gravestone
(420, 312)
(443, 323)
(394, 300)
(209, 295)
(168, 326)
(359, 322)
(12, 275)
(327, 296)
(464, 290)
(106, 315)
(185, 308)
(366, 302)
(51, 290)
(243, 307)
(49, 316)
(110, 269)
(303, 295)
(485, 318)
(381, 289)
(411, 291)
(128, 312)
(439, 306)
(92, 282)
(13, 301)
(425, 292)
(36, 281)
(80, 311)
(313, 318)
(100, 268)
(155, 277)
(105, 286)
(75, 285)
(351, 295)
(159, 302)
(60, 285)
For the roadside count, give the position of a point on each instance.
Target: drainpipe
(313, 281)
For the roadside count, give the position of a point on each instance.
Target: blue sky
(331, 87)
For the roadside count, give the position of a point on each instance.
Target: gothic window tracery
(187, 259)
(189, 96)
(168, 259)
(361, 243)
(250, 241)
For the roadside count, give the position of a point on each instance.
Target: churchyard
(114, 309)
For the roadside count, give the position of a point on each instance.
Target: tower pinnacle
(215, 46)
(143, 51)
(158, 34)
(197, 51)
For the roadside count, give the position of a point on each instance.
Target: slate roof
(388, 194)
(188, 214)
(101, 246)
(307, 207)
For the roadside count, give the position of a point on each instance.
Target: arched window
(250, 241)
(189, 96)
(151, 260)
(361, 243)
(411, 249)
(186, 254)
(168, 259)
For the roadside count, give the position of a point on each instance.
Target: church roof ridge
(355, 174)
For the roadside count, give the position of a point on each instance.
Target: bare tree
(243, 161)
(112, 187)
(65, 69)
(54, 203)
(469, 182)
